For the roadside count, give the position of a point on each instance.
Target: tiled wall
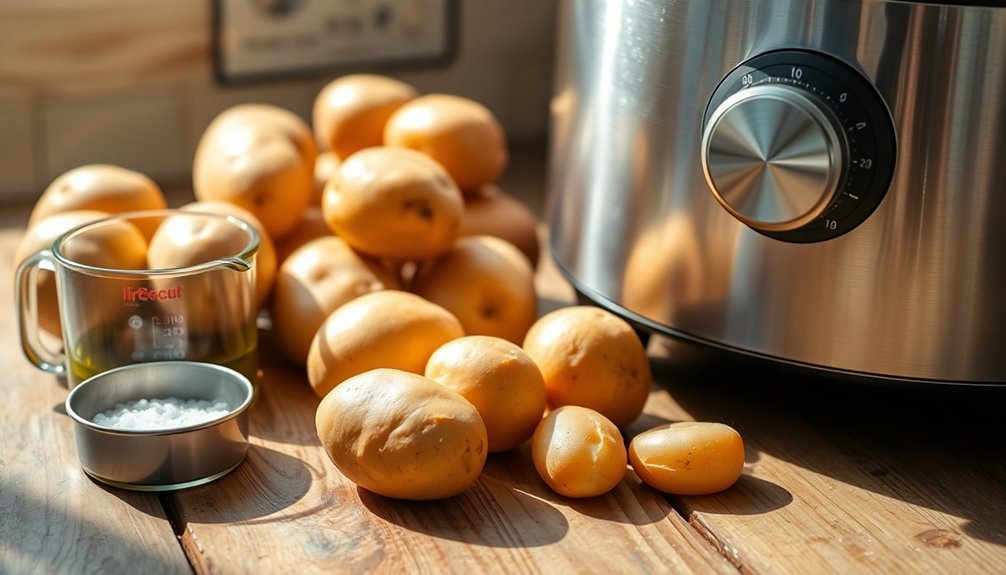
(106, 104)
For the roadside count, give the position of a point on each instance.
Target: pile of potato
(400, 276)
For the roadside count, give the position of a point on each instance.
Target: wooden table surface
(839, 478)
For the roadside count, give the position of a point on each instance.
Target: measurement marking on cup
(136, 322)
(167, 337)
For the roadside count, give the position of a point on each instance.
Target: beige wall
(130, 82)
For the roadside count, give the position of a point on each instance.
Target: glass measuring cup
(146, 286)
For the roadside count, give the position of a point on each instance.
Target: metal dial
(773, 156)
(797, 145)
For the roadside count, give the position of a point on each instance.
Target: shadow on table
(48, 535)
(511, 506)
(266, 483)
(491, 513)
(629, 503)
(749, 496)
(938, 447)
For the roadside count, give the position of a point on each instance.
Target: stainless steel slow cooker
(821, 183)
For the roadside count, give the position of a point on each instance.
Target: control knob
(797, 145)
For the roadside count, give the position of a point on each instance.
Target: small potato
(499, 379)
(491, 211)
(486, 283)
(313, 282)
(216, 301)
(459, 133)
(401, 435)
(350, 112)
(393, 203)
(112, 244)
(593, 358)
(260, 157)
(98, 187)
(188, 239)
(688, 457)
(265, 259)
(390, 328)
(578, 452)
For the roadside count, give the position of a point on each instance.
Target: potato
(98, 187)
(189, 239)
(578, 452)
(391, 328)
(217, 301)
(492, 211)
(486, 282)
(350, 112)
(461, 134)
(265, 259)
(260, 157)
(593, 358)
(393, 203)
(688, 457)
(402, 435)
(499, 379)
(313, 282)
(115, 244)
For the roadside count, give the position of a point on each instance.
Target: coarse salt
(158, 414)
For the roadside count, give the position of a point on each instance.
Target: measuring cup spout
(235, 263)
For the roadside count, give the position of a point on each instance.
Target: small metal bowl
(165, 459)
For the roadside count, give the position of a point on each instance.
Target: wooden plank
(82, 46)
(53, 518)
(846, 478)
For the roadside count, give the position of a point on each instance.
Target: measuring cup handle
(26, 296)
